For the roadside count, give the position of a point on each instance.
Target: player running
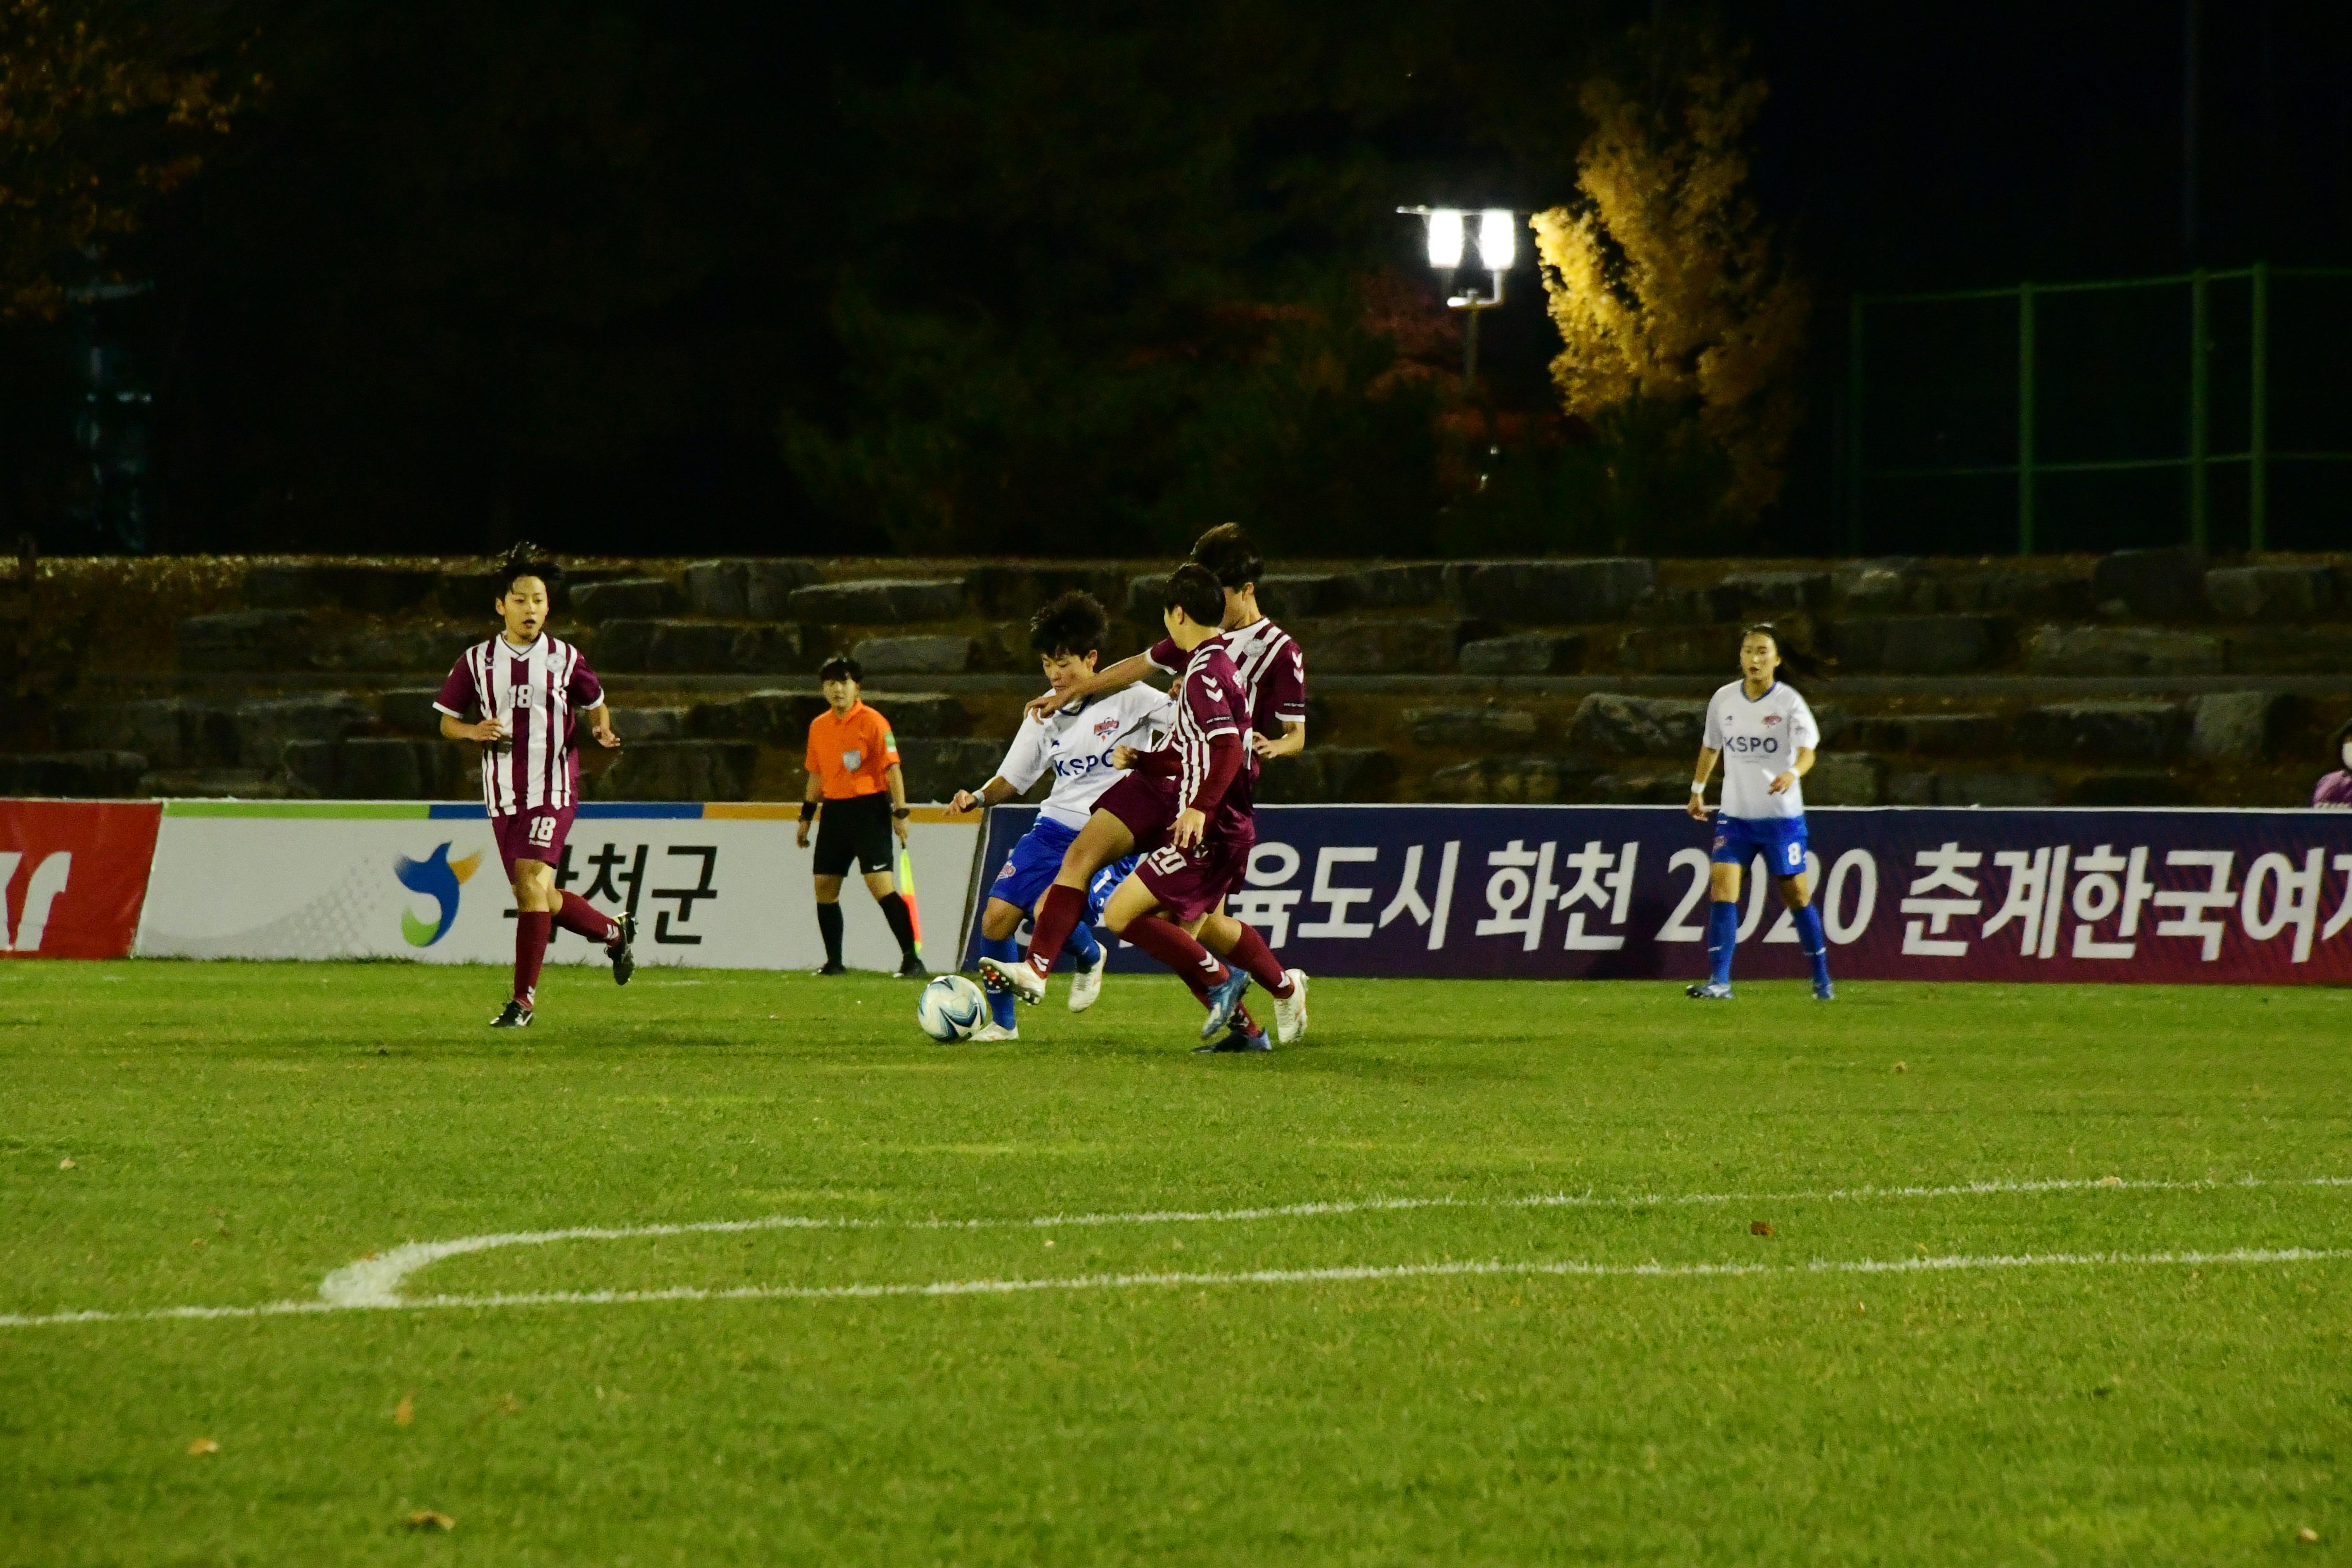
(529, 690)
(1273, 672)
(1195, 832)
(1076, 741)
(1765, 736)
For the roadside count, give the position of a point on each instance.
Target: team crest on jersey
(1105, 728)
(1770, 720)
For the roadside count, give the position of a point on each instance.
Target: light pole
(1497, 244)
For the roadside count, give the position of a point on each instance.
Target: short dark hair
(1194, 589)
(1073, 624)
(841, 667)
(526, 560)
(1229, 551)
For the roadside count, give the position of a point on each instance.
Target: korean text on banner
(74, 873)
(717, 886)
(1621, 892)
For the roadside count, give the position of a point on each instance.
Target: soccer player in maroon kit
(1181, 810)
(1273, 672)
(527, 689)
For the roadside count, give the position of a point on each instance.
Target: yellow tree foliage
(1664, 280)
(89, 130)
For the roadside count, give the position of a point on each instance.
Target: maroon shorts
(1146, 804)
(1190, 883)
(537, 833)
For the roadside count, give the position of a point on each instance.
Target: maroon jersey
(535, 692)
(2333, 792)
(1273, 672)
(1210, 704)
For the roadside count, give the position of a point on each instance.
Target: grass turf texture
(238, 1130)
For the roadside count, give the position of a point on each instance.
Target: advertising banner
(711, 885)
(1621, 892)
(73, 873)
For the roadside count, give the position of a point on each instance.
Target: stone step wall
(1937, 682)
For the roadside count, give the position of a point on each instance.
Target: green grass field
(1675, 1388)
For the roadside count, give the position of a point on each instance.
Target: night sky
(1058, 278)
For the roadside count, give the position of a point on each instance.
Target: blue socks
(1809, 937)
(1005, 950)
(1722, 933)
(1082, 947)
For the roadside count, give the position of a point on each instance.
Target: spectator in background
(2334, 791)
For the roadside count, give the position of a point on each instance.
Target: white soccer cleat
(1290, 1012)
(1016, 977)
(1086, 985)
(993, 1030)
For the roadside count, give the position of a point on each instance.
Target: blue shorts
(1035, 862)
(1779, 839)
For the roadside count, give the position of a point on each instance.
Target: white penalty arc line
(375, 1282)
(1561, 1268)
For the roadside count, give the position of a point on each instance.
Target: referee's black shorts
(857, 828)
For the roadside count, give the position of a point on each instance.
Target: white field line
(1567, 1267)
(375, 1282)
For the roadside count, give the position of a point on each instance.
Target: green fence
(1953, 398)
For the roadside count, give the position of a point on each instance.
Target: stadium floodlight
(1494, 241)
(1497, 248)
(1445, 239)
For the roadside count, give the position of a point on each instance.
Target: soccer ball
(951, 1008)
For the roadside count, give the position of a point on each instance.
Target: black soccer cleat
(516, 1016)
(833, 968)
(912, 969)
(1236, 1039)
(624, 951)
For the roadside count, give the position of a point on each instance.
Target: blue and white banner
(1621, 892)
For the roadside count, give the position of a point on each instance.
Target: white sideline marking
(373, 1283)
(1564, 1267)
(376, 1281)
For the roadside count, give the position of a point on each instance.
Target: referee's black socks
(828, 924)
(902, 925)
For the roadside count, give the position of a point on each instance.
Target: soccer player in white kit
(1765, 736)
(1076, 740)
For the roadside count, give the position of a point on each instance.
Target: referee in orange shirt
(853, 769)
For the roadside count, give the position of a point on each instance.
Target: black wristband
(900, 811)
(808, 811)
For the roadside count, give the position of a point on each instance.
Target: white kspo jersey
(1076, 742)
(1758, 739)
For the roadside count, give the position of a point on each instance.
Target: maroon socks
(1172, 947)
(1199, 982)
(584, 918)
(1251, 954)
(1059, 910)
(532, 932)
